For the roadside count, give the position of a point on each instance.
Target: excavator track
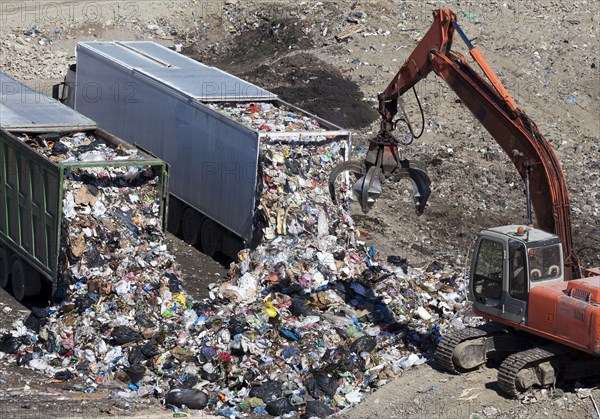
(510, 367)
(444, 352)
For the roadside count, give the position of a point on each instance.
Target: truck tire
(211, 237)
(191, 226)
(174, 219)
(25, 280)
(4, 271)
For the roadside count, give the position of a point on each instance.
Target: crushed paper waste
(310, 320)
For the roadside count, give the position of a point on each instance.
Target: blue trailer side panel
(209, 169)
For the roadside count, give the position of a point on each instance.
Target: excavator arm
(497, 111)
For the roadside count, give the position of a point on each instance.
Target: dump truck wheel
(4, 271)
(211, 237)
(174, 219)
(191, 226)
(25, 280)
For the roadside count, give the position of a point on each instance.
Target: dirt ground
(545, 52)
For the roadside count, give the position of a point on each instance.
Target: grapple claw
(368, 188)
(383, 159)
(355, 167)
(421, 183)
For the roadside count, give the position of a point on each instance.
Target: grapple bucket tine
(368, 188)
(356, 167)
(421, 187)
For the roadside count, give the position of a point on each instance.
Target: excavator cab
(507, 263)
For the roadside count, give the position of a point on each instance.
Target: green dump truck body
(31, 184)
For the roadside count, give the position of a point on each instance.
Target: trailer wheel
(4, 272)
(174, 219)
(211, 237)
(25, 280)
(191, 226)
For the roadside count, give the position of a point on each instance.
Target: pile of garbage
(309, 321)
(77, 147)
(267, 116)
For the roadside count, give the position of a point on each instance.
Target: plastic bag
(190, 397)
(124, 334)
(64, 375)
(280, 407)
(135, 372)
(364, 344)
(319, 384)
(9, 344)
(268, 391)
(315, 408)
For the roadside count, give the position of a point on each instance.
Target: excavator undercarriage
(525, 361)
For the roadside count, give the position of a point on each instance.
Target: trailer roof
(24, 109)
(191, 78)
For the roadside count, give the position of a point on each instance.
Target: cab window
(545, 263)
(489, 270)
(518, 270)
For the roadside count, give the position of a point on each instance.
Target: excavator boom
(497, 111)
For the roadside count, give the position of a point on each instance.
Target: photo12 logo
(60, 12)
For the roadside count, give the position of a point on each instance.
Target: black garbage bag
(299, 306)
(174, 282)
(279, 407)
(22, 360)
(34, 323)
(250, 376)
(363, 344)
(135, 355)
(268, 391)
(83, 366)
(50, 344)
(59, 148)
(191, 397)
(124, 334)
(212, 377)
(319, 384)
(135, 372)
(83, 302)
(145, 322)
(237, 325)
(435, 266)
(65, 375)
(94, 259)
(150, 349)
(191, 380)
(40, 312)
(315, 408)
(9, 344)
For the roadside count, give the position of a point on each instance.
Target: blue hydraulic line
(462, 35)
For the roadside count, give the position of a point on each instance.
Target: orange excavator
(544, 309)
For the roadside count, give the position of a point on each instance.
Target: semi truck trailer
(209, 126)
